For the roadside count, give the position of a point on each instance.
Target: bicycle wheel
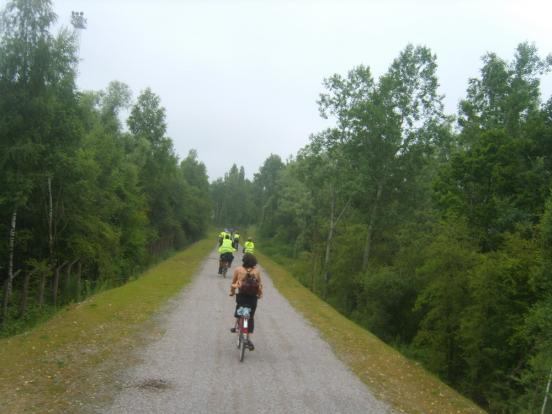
(242, 348)
(224, 270)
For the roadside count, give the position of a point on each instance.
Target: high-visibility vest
(249, 247)
(226, 247)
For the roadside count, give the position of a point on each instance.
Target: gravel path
(194, 367)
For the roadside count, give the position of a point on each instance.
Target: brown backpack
(249, 285)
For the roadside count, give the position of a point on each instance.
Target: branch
(342, 211)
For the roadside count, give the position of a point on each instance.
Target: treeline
(84, 203)
(240, 202)
(433, 231)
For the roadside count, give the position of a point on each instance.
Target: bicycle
(225, 267)
(242, 329)
(225, 262)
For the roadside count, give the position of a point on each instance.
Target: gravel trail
(194, 366)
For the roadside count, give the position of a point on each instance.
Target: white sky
(240, 79)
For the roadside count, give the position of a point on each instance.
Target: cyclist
(240, 281)
(249, 246)
(222, 235)
(226, 249)
(236, 239)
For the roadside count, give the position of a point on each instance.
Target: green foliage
(233, 199)
(92, 201)
(265, 194)
(536, 374)
(501, 296)
(385, 302)
(495, 185)
(448, 259)
(436, 239)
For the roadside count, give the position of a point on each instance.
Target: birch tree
(381, 124)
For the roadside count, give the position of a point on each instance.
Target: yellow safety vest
(249, 247)
(226, 247)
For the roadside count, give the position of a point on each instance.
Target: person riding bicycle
(236, 237)
(247, 281)
(221, 236)
(226, 249)
(249, 246)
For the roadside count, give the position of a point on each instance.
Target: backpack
(249, 285)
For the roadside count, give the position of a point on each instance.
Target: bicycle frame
(242, 329)
(224, 263)
(225, 267)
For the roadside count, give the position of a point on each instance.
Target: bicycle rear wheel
(242, 348)
(224, 270)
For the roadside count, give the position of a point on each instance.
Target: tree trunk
(41, 289)
(11, 253)
(50, 219)
(79, 276)
(329, 239)
(328, 244)
(68, 278)
(261, 221)
(546, 392)
(371, 223)
(5, 302)
(314, 269)
(25, 293)
(6, 298)
(56, 282)
(11, 250)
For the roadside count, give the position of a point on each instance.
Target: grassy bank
(61, 364)
(404, 384)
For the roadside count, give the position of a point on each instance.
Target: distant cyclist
(236, 239)
(247, 280)
(226, 249)
(249, 246)
(222, 235)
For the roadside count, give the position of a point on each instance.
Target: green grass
(403, 384)
(57, 366)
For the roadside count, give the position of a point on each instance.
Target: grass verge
(403, 384)
(60, 365)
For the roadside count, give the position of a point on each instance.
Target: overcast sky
(240, 79)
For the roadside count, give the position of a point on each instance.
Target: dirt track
(194, 367)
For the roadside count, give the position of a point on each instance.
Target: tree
(265, 185)
(447, 262)
(147, 118)
(506, 95)
(199, 205)
(498, 180)
(383, 124)
(37, 72)
(328, 176)
(296, 210)
(232, 199)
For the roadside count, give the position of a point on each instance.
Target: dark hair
(227, 236)
(249, 260)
